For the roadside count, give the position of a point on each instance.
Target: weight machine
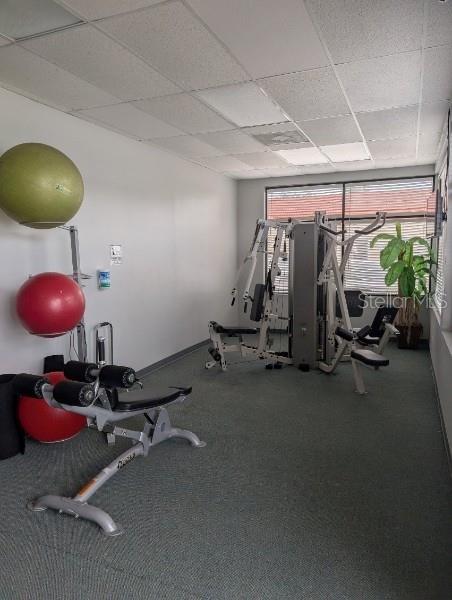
(320, 332)
(263, 307)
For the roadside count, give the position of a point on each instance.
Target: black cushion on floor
(368, 357)
(12, 440)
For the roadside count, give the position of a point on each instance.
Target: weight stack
(12, 439)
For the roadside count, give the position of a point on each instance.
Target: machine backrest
(385, 314)
(355, 303)
(258, 302)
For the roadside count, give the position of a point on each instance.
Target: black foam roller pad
(29, 385)
(80, 371)
(115, 376)
(74, 393)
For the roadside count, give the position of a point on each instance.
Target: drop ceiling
(253, 88)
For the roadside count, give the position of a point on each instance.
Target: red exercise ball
(50, 304)
(45, 423)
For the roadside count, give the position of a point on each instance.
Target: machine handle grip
(112, 376)
(29, 385)
(81, 371)
(74, 393)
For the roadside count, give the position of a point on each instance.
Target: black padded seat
(370, 358)
(369, 341)
(131, 406)
(234, 330)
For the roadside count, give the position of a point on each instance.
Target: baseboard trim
(443, 425)
(145, 371)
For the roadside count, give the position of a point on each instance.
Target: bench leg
(358, 377)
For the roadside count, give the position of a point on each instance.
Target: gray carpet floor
(305, 491)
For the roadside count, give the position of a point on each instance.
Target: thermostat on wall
(115, 254)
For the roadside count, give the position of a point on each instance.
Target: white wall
(177, 224)
(251, 206)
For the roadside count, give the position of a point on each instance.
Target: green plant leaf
(394, 272)
(407, 282)
(423, 242)
(381, 236)
(398, 230)
(391, 253)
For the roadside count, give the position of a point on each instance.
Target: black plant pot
(409, 336)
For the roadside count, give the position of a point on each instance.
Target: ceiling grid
(248, 89)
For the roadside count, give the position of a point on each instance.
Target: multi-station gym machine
(320, 332)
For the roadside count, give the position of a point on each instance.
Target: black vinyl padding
(80, 371)
(258, 302)
(345, 334)
(122, 406)
(233, 330)
(370, 358)
(29, 385)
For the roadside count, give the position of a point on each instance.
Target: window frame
(357, 219)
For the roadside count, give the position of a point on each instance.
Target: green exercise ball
(40, 186)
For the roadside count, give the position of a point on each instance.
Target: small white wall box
(115, 254)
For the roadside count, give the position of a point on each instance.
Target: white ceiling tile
(130, 120)
(224, 163)
(383, 82)
(91, 55)
(335, 130)
(386, 124)
(439, 23)
(25, 72)
(433, 116)
(354, 165)
(267, 37)
(389, 163)
(307, 95)
(312, 169)
(437, 84)
(22, 18)
(346, 152)
(175, 42)
(283, 172)
(244, 104)
(251, 174)
(98, 9)
(185, 112)
(428, 144)
(232, 142)
(426, 160)
(263, 160)
(303, 156)
(399, 148)
(187, 146)
(366, 28)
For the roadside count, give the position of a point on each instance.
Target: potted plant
(410, 271)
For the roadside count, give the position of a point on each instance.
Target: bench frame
(157, 428)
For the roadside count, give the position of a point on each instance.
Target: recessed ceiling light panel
(346, 152)
(303, 156)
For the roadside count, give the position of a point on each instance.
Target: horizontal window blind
(303, 202)
(439, 282)
(353, 206)
(408, 201)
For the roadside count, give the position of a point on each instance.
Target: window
(440, 238)
(298, 203)
(410, 201)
